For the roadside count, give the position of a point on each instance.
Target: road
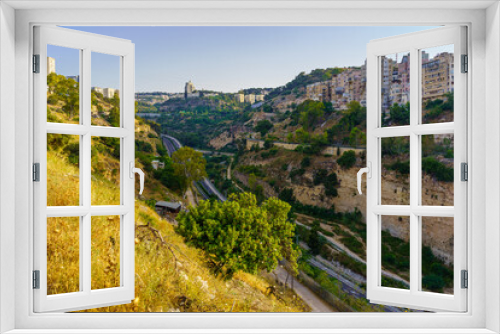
(172, 145)
(310, 298)
(351, 254)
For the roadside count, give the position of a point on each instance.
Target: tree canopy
(189, 165)
(240, 235)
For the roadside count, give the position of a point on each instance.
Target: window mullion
(414, 170)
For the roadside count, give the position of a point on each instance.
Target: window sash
(86, 297)
(414, 298)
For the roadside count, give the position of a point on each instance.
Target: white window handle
(368, 171)
(139, 171)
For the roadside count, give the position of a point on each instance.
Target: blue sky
(227, 58)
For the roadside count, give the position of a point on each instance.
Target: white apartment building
(250, 98)
(240, 98)
(51, 65)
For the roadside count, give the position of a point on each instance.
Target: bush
(402, 167)
(306, 162)
(437, 169)
(433, 283)
(347, 160)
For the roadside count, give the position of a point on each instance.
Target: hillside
(170, 275)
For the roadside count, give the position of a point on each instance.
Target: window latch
(368, 171)
(139, 171)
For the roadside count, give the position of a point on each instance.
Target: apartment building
(240, 98)
(250, 98)
(51, 65)
(437, 76)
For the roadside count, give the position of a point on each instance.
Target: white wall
(7, 160)
(492, 165)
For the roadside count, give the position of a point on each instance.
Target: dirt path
(310, 298)
(190, 198)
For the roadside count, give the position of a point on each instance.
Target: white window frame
(415, 297)
(482, 316)
(86, 44)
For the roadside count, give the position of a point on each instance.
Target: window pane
(63, 88)
(63, 170)
(63, 255)
(437, 170)
(437, 254)
(395, 252)
(395, 94)
(105, 171)
(437, 84)
(105, 89)
(395, 180)
(105, 252)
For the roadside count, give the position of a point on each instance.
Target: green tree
(357, 137)
(347, 160)
(189, 165)
(310, 112)
(263, 126)
(240, 235)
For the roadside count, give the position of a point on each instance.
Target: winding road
(204, 186)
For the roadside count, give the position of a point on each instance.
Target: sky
(226, 58)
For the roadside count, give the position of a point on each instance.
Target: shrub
(347, 160)
(402, 167)
(306, 162)
(437, 169)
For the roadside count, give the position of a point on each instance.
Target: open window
(416, 132)
(98, 230)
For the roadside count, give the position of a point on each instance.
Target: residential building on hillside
(240, 98)
(51, 65)
(98, 90)
(110, 92)
(250, 98)
(437, 76)
(259, 97)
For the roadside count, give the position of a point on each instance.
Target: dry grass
(170, 276)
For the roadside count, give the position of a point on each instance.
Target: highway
(205, 187)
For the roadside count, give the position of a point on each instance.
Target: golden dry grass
(170, 276)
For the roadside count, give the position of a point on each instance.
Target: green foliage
(271, 153)
(357, 137)
(402, 167)
(64, 90)
(239, 235)
(263, 126)
(354, 116)
(310, 112)
(306, 162)
(168, 177)
(437, 169)
(399, 115)
(143, 146)
(189, 165)
(268, 143)
(347, 160)
(251, 169)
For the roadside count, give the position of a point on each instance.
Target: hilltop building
(259, 97)
(51, 65)
(189, 90)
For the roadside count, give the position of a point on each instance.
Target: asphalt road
(172, 145)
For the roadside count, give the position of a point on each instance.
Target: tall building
(51, 65)
(189, 89)
(240, 98)
(250, 98)
(110, 92)
(437, 76)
